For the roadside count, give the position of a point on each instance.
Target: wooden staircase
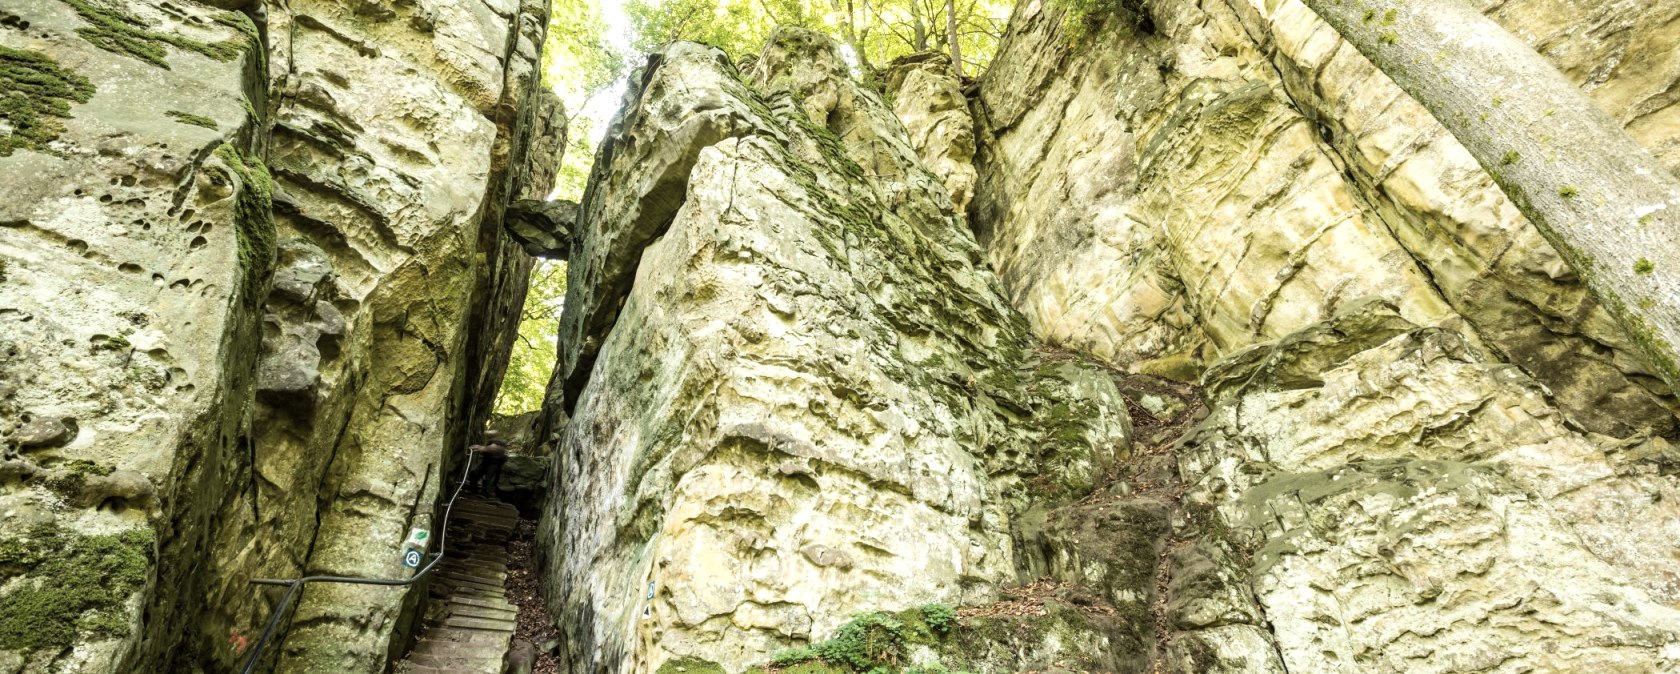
(469, 623)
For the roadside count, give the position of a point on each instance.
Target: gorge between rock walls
(1189, 343)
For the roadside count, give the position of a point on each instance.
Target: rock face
(795, 392)
(136, 245)
(928, 99)
(1428, 449)
(256, 291)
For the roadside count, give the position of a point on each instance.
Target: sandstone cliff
(1437, 448)
(1182, 340)
(1423, 446)
(794, 390)
(255, 292)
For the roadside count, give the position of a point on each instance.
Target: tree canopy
(536, 348)
(874, 31)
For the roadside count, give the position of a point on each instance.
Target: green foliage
(75, 585)
(35, 93)
(1569, 192)
(1511, 157)
(573, 175)
(868, 641)
(537, 347)
(1082, 19)
(578, 61)
(873, 643)
(1643, 266)
(939, 617)
(690, 665)
(195, 120)
(792, 656)
(877, 31)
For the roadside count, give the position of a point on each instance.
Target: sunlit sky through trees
(594, 44)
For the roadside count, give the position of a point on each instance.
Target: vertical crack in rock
(813, 401)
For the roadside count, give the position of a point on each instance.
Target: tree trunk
(920, 30)
(951, 36)
(1602, 201)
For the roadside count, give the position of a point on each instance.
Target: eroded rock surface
(1428, 448)
(255, 289)
(808, 397)
(135, 248)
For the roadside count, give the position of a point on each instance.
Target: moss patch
(690, 666)
(254, 215)
(35, 93)
(113, 29)
(74, 586)
(195, 120)
(871, 642)
(1643, 266)
(71, 476)
(1083, 19)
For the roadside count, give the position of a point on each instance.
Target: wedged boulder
(806, 397)
(928, 98)
(543, 228)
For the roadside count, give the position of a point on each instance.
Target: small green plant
(1389, 17)
(939, 618)
(1511, 157)
(1643, 266)
(1568, 192)
(869, 640)
(1082, 19)
(1370, 15)
(1388, 37)
(792, 656)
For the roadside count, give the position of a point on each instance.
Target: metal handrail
(295, 585)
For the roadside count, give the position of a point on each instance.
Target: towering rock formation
(795, 391)
(1429, 445)
(255, 292)
(1185, 342)
(1424, 448)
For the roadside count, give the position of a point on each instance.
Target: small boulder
(45, 433)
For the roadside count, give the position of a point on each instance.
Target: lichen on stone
(35, 94)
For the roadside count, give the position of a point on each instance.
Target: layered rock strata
(256, 291)
(1428, 448)
(795, 391)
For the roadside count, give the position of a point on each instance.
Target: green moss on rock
(690, 666)
(35, 93)
(254, 215)
(113, 29)
(72, 586)
(195, 120)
